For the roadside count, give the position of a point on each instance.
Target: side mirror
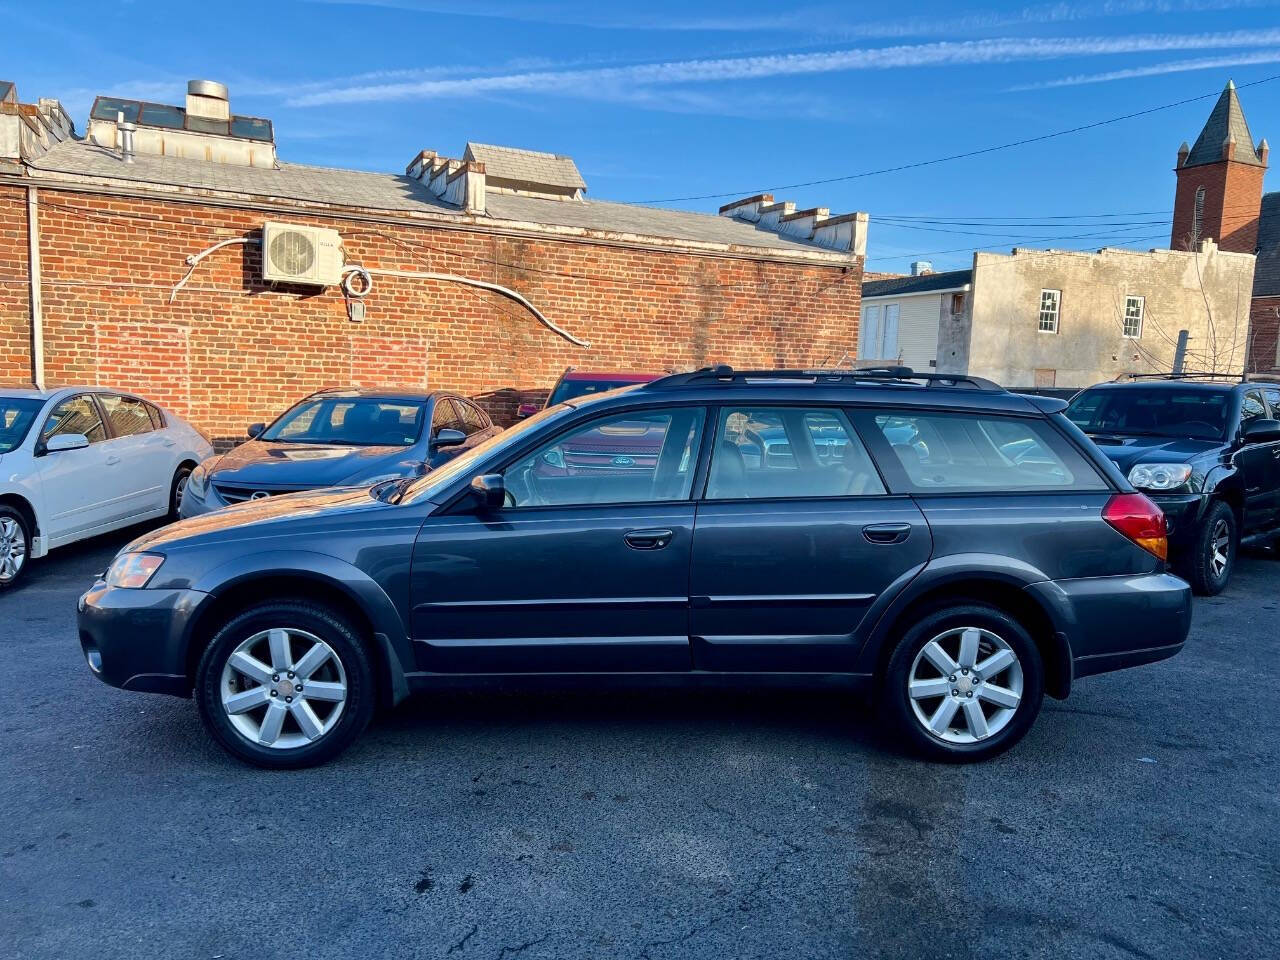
(490, 489)
(66, 441)
(256, 430)
(526, 410)
(1262, 430)
(446, 437)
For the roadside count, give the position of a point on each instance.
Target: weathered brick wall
(1232, 199)
(230, 351)
(15, 330)
(1264, 331)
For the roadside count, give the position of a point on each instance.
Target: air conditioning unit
(298, 254)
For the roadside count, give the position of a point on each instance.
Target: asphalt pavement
(1140, 818)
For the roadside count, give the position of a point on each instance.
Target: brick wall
(1232, 199)
(1264, 332)
(230, 351)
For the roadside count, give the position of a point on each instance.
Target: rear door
(796, 537)
(144, 455)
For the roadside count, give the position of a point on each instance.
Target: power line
(959, 156)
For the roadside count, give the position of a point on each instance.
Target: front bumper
(1117, 622)
(137, 639)
(198, 506)
(1182, 512)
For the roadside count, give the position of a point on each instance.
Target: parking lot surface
(1141, 818)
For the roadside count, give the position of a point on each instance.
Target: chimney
(1264, 151)
(127, 130)
(208, 99)
(1184, 151)
(921, 268)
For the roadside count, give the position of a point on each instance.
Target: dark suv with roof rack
(949, 548)
(1206, 448)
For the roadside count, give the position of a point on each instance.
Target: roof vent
(208, 98)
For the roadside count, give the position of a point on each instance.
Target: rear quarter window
(936, 452)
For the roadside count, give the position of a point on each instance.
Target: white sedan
(79, 461)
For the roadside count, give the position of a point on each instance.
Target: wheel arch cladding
(350, 593)
(1000, 593)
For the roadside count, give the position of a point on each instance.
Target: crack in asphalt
(462, 944)
(509, 951)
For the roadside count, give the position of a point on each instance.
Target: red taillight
(1140, 520)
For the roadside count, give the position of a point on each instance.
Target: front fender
(330, 573)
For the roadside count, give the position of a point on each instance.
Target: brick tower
(1220, 182)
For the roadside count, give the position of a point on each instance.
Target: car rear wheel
(963, 684)
(177, 489)
(285, 685)
(1213, 554)
(15, 546)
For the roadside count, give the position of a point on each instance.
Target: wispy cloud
(600, 81)
(1158, 69)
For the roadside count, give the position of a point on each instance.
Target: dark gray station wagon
(957, 550)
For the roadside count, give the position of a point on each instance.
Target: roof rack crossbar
(723, 374)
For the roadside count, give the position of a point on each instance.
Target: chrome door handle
(647, 539)
(112, 460)
(886, 532)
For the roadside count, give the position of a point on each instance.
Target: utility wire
(958, 156)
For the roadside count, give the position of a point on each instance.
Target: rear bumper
(137, 639)
(1117, 622)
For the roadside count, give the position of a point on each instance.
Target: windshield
(465, 463)
(16, 416)
(568, 389)
(351, 421)
(1152, 412)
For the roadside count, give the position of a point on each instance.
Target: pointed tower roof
(1226, 123)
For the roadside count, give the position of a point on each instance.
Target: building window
(1133, 310)
(957, 304)
(1197, 223)
(880, 332)
(1050, 302)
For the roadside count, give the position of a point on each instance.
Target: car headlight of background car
(133, 570)
(1159, 476)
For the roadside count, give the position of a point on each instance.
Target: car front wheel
(1213, 553)
(963, 684)
(15, 546)
(177, 489)
(285, 685)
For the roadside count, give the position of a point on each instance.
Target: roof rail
(1204, 375)
(726, 375)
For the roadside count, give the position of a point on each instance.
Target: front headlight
(1159, 476)
(133, 570)
(197, 483)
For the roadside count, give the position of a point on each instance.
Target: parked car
(340, 438)
(580, 383)
(953, 583)
(1206, 450)
(79, 461)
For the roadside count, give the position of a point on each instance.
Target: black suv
(951, 549)
(1206, 449)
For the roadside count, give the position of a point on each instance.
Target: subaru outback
(950, 550)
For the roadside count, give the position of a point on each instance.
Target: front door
(795, 539)
(585, 569)
(81, 490)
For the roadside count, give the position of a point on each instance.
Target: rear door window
(127, 415)
(930, 451)
(784, 452)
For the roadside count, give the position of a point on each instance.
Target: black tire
(327, 625)
(1199, 564)
(180, 478)
(896, 702)
(18, 527)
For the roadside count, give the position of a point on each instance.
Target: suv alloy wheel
(1213, 555)
(964, 683)
(285, 685)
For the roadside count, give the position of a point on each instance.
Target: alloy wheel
(1219, 548)
(180, 488)
(283, 688)
(13, 548)
(965, 685)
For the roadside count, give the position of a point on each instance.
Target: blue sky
(671, 100)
